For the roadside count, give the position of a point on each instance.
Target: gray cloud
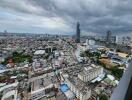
(61, 15)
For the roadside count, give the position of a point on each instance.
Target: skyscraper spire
(108, 36)
(78, 33)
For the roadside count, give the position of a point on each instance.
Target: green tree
(103, 97)
(117, 72)
(82, 54)
(97, 54)
(89, 54)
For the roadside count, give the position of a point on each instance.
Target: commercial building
(124, 40)
(42, 86)
(82, 91)
(108, 36)
(90, 73)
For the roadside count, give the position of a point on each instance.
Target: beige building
(78, 87)
(90, 73)
(77, 77)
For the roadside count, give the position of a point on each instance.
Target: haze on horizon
(61, 16)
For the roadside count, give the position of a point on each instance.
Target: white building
(9, 92)
(56, 53)
(125, 40)
(69, 95)
(80, 49)
(79, 88)
(39, 52)
(90, 73)
(2, 59)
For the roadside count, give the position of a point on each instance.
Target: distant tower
(108, 37)
(5, 31)
(78, 33)
(87, 42)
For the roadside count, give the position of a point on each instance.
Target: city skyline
(56, 16)
(65, 50)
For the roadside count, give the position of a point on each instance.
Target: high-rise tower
(78, 33)
(108, 36)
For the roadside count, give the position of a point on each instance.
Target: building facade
(9, 92)
(78, 33)
(79, 88)
(90, 73)
(108, 36)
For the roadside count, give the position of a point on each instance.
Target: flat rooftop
(123, 55)
(73, 78)
(80, 85)
(89, 69)
(73, 71)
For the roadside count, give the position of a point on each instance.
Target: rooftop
(89, 69)
(123, 55)
(39, 52)
(73, 78)
(69, 94)
(80, 85)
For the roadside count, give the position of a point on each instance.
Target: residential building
(90, 73)
(78, 87)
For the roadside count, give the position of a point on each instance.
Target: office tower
(108, 37)
(78, 33)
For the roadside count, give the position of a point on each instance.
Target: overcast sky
(61, 16)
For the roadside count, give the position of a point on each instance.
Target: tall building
(108, 37)
(78, 33)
